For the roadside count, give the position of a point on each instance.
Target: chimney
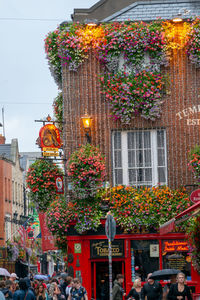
(2, 139)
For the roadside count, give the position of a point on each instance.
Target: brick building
(12, 197)
(142, 152)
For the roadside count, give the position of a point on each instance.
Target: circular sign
(195, 196)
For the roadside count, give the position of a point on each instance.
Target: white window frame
(154, 156)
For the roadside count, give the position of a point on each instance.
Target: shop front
(132, 255)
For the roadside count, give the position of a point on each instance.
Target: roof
(151, 10)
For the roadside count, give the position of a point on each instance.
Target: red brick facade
(5, 196)
(82, 93)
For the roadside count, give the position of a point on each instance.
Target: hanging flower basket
(86, 169)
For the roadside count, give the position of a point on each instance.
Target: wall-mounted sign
(99, 249)
(190, 114)
(154, 250)
(49, 137)
(77, 248)
(175, 246)
(195, 196)
(59, 184)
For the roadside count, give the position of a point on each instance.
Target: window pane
(139, 158)
(131, 159)
(161, 175)
(147, 158)
(117, 140)
(118, 159)
(140, 175)
(139, 142)
(161, 157)
(118, 176)
(131, 140)
(148, 174)
(160, 138)
(132, 176)
(147, 139)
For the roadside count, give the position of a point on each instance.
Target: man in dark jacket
(152, 289)
(118, 291)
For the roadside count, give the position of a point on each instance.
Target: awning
(186, 214)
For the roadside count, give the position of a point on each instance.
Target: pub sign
(99, 248)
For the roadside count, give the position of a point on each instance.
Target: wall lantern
(91, 23)
(87, 120)
(177, 19)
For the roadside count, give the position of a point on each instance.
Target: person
(30, 291)
(2, 296)
(77, 292)
(70, 284)
(40, 292)
(179, 290)
(167, 286)
(152, 289)
(53, 291)
(118, 291)
(22, 292)
(135, 292)
(13, 277)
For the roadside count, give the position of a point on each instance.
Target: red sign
(59, 184)
(48, 242)
(49, 136)
(195, 196)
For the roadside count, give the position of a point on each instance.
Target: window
(8, 226)
(139, 157)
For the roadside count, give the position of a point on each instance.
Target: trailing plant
(145, 206)
(41, 182)
(193, 238)
(86, 169)
(193, 45)
(58, 110)
(130, 95)
(194, 162)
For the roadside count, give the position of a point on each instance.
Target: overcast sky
(27, 89)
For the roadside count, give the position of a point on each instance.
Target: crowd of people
(153, 290)
(68, 288)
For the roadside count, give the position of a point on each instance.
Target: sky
(27, 89)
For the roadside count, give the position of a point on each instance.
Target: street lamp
(87, 120)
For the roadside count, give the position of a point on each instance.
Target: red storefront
(134, 254)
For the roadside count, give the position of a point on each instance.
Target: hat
(13, 275)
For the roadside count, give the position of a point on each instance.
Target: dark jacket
(173, 292)
(118, 291)
(19, 295)
(133, 293)
(152, 291)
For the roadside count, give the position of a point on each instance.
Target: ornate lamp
(87, 120)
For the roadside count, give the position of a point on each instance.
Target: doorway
(102, 277)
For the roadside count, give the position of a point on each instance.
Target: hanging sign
(195, 196)
(59, 184)
(49, 140)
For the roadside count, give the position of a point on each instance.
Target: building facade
(138, 153)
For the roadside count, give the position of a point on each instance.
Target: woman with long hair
(179, 290)
(135, 292)
(40, 292)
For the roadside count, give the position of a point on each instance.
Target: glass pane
(118, 159)
(147, 139)
(161, 157)
(147, 158)
(160, 138)
(117, 140)
(131, 140)
(132, 176)
(139, 142)
(118, 176)
(161, 175)
(148, 175)
(140, 175)
(139, 158)
(131, 159)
